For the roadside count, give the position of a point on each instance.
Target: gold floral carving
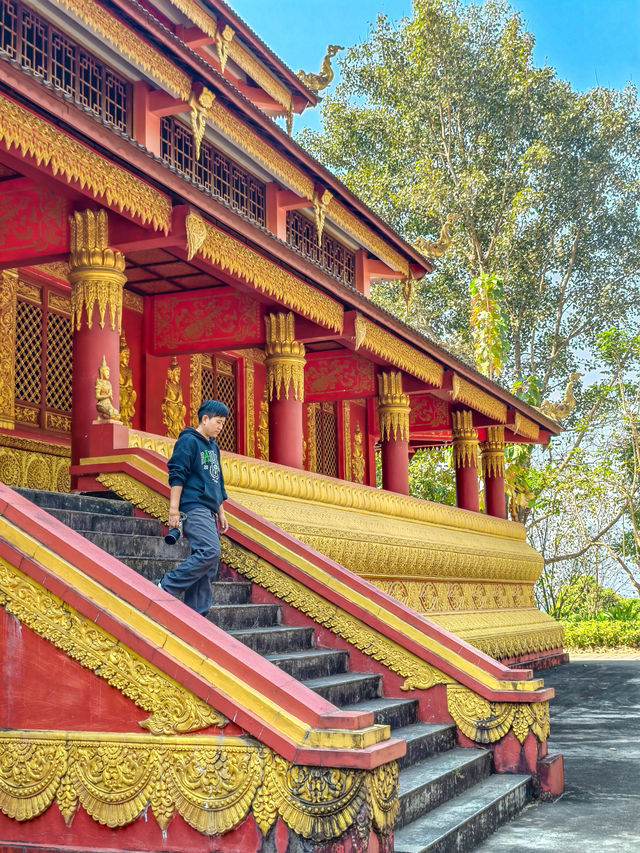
(198, 16)
(493, 452)
(240, 260)
(254, 145)
(196, 233)
(321, 199)
(200, 102)
(141, 496)
(128, 395)
(132, 301)
(57, 269)
(37, 138)
(393, 407)
(249, 409)
(259, 73)
(524, 427)
(173, 409)
(312, 441)
(126, 42)
(8, 310)
(27, 414)
(60, 423)
(487, 722)
(58, 302)
(346, 439)
(365, 236)
(285, 357)
(212, 783)
(464, 392)
(262, 432)
(96, 272)
(396, 352)
(34, 465)
(195, 388)
(172, 707)
(30, 292)
(223, 43)
(357, 457)
(440, 596)
(150, 441)
(465, 439)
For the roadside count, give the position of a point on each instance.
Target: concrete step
(280, 638)
(428, 784)
(237, 617)
(123, 545)
(231, 592)
(152, 568)
(84, 503)
(424, 740)
(112, 524)
(347, 688)
(465, 821)
(397, 713)
(313, 663)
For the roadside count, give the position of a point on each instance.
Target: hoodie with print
(195, 465)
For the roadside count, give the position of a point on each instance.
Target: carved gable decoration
(428, 413)
(205, 321)
(341, 375)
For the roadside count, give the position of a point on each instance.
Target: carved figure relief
(104, 396)
(128, 396)
(173, 409)
(357, 457)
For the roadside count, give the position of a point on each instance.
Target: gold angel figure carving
(104, 396)
(173, 409)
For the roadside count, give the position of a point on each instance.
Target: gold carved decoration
(104, 396)
(132, 301)
(526, 428)
(61, 423)
(97, 272)
(437, 248)
(29, 464)
(262, 433)
(200, 103)
(27, 415)
(37, 138)
(172, 707)
(128, 395)
(8, 311)
(346, 439)
(173, 409)
(320, 201)
(196, 233)
(58, 302)
(393, 407)
(213, 783)
(465, 439)
(357, 457)
(223, 42)
(317, 82)
(150, 441)
(126, 42)
(561, 409)
(493, 452)
(145, 498)
(365, 236)
(465, 392)
(30, 292)
(259, 73)
(285, 357)
(312, 437)
(249, 409)
(487, 722)
(240, 260)
(195, 388)
(57, 269)
(396, 352)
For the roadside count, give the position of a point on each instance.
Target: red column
(97, 278)
(493, 472)
(465, 460)
(393, 413)
(285, 360)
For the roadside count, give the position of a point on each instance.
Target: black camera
(175, 532)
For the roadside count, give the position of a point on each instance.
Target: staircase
(449, 798)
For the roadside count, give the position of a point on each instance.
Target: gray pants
(195, 574)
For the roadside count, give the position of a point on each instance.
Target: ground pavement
(595, 723)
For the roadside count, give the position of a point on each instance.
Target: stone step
(152, 568)
(280, 638)
(428, 784)
(113, 524)
(465, 821)
(347, 688)
(231, 592)
(313, 663)
(424, 740)
(236, 617)
(59, 500)
(397, 713)
(122, 545)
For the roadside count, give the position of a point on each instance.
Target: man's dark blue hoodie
(195, 465)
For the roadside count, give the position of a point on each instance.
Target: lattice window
(31, 39)
(58, 375)
(214, 171)
(219, 383)
(331, 254)
(327, 440)
(28, 381)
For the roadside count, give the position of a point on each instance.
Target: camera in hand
(172, 536)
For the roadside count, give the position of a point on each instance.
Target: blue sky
(589, 42)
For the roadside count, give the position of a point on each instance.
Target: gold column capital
(96, 271)
(285, 357)
(8, 311)
(493, 452)
(465, 439)
(393, 407)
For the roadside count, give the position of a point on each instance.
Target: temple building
(164, 240)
